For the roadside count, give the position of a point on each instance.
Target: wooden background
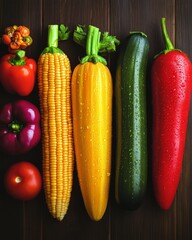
(31, 220)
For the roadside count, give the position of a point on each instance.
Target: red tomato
(23, 181)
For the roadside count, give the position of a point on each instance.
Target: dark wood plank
(72, 13)
(184, 196)
(31, 220)
(18, 218)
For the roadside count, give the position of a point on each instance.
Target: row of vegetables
(20, 128)
(76, 118)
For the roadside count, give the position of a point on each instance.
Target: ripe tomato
(23, 181)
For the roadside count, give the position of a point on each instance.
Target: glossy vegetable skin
(171, 91)
(131, 121)
(23, 181)
(92, 121)
(92, 124)
(17, 73)
(19, 127)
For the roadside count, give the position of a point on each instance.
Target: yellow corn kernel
(54, 79)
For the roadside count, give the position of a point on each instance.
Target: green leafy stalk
(54, 36)
(108, 43)
(64, 32)
(80, 35)
(95, 43)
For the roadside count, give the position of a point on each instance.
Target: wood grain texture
(31, 220)
(184, 197)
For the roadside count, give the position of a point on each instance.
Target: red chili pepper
(171, 90)
(14, 45)
(24, 31)
(6, 39)
(17, 73)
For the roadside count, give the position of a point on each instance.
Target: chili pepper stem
(168, 43)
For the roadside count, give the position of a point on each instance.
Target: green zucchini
(131, 121)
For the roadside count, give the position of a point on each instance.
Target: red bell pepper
(171, 90)
(17, 73)
(19, 127)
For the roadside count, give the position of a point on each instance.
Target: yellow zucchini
(92, 126)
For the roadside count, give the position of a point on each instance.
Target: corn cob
(54, 76)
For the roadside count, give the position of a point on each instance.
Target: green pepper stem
(168, 43)
(18, 59)
(15, 127)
